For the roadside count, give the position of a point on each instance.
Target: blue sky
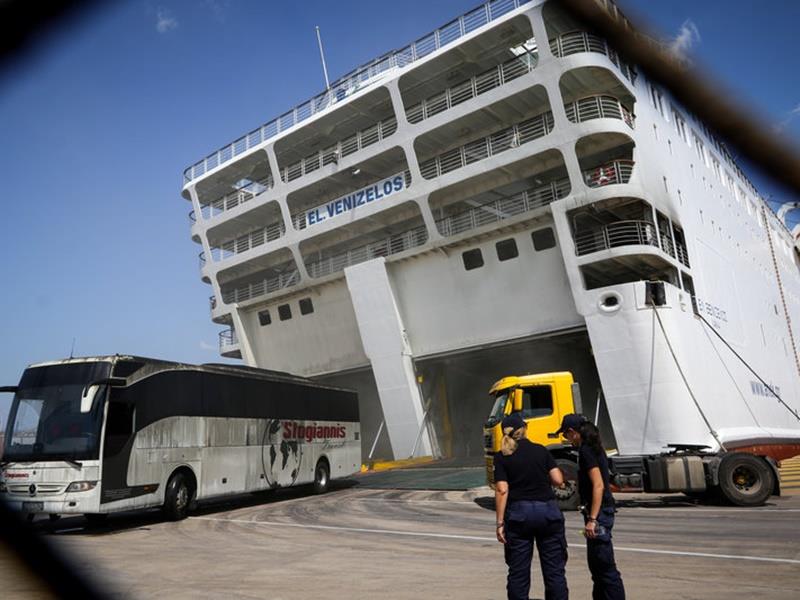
(98, 124)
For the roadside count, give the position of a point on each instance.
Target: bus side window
(537, 401)
(119, 427)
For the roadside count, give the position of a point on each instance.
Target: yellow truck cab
(543, 400)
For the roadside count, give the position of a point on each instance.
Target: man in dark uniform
(527, 511)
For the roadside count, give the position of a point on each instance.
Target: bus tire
(322, 476)
(745, 480)
(177, 497)
(568, 498)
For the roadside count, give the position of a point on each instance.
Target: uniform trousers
(526, 522)
(603, 567)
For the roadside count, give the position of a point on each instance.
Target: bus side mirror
(90, 391)
(516, 401)
(11, 389)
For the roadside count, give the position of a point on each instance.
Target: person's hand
(501, 534)
(590, 529)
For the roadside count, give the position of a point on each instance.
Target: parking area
(360, 542)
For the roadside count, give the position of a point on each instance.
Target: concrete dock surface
(356, 542)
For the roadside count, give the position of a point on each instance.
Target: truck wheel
(322, 476)
(177, 497)
(568, 498)
(745, 480)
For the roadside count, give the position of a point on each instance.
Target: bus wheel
(322, 476)
(178, 497)
(567, 497)
(745, 480)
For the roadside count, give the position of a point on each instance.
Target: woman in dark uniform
(598, 506)
(527, 511)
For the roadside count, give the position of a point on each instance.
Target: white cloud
(204, 345)
(790, 116)
(164, 20)
(688, 36)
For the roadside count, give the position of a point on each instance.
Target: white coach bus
(105, 434)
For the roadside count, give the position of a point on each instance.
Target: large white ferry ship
(496, 198)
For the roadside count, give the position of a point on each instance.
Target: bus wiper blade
(73, 463)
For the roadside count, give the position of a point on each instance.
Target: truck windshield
(45, 421)
(497, 410)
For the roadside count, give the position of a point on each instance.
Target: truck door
(538, 412)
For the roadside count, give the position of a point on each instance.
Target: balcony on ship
(485, 133)
(332, 197)
(336, 137)
(387, 233)
(591, 93)
(253, 229)
(236, 184)
(606, 159)
(567, 37)
(487, 62)
(524, 188)
(263, 275)
(642, 240)
(229, 343)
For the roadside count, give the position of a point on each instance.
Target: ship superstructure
(495, 198)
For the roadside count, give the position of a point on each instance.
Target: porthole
(610, 302)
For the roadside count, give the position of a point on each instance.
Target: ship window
(543, 239)
(284, 312)
(306, 306)
(264, 318)
(537, 402)
(507, 249)
(473, 259)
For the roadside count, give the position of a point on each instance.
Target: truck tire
(568, 498)
(745, 480)
(177, 497)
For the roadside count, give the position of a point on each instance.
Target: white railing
(616, 171)
(358, 79)
(260, 288)
(574, 42)
(480, 149)
(613, 235)
(299, 219)
(235, 198)
(683, 254)
(598, 107)
(228, 340)
(503, 208)
(385, 247)
(332, 154)
(246, 242)
(477, 85)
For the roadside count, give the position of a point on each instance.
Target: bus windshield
(45, 421)
(497, 410)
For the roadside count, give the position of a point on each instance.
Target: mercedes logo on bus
(32, 489)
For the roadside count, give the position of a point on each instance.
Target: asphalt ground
(357, 542)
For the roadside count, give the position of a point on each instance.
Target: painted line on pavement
(453, 536)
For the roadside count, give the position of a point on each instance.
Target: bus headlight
(81, 486)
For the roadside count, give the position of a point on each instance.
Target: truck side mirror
(90, 391)
(516, 400)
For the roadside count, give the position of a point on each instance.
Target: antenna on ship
(72, 350)
(322, 56)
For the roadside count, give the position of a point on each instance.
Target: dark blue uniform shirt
(527, 472)
(588, 459)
